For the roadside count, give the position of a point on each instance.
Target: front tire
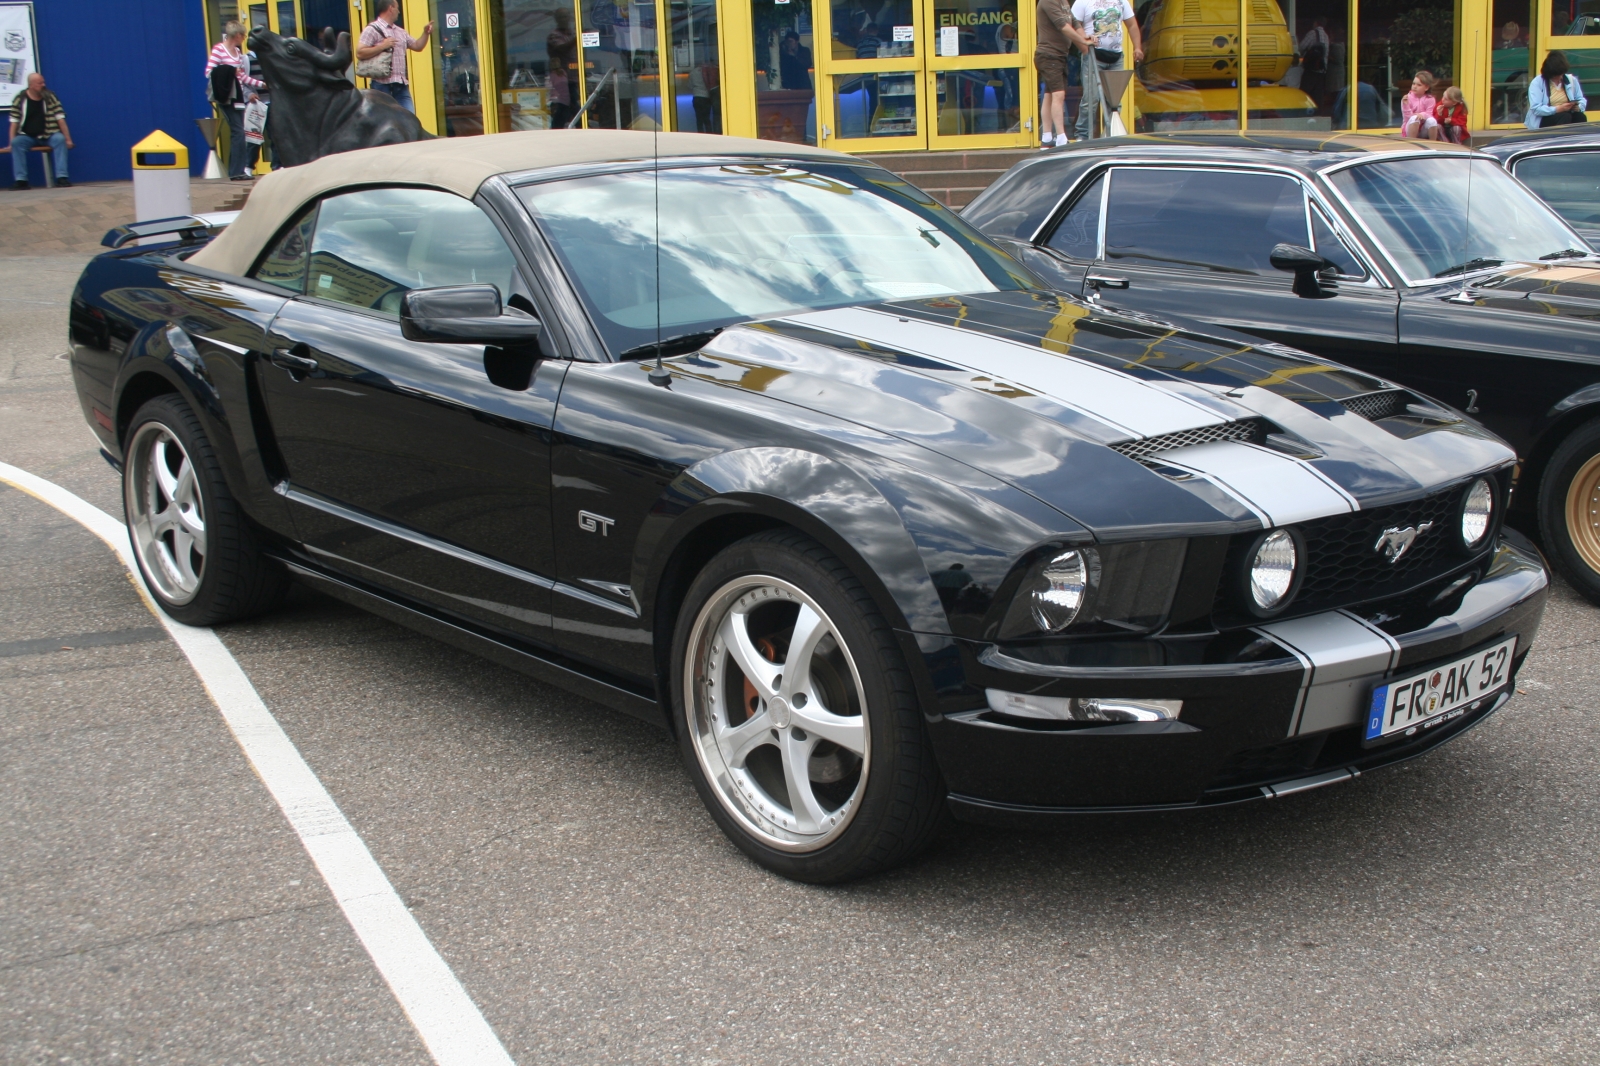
(1569, 509)
(797, 717)
(200, 556)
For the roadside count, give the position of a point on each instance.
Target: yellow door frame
(422, 67)
(936, 65)
(736, 52)
(828, 68)
(1541, 42)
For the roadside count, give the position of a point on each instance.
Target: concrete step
(953, 179)
(72, 221)
(1000, 159)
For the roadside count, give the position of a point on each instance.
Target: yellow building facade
(895, 75)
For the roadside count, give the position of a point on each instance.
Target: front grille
(1343, 565)
(1375, 405)
(1250, 430)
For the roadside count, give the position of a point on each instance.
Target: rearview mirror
(1305, 265)
(465, 314)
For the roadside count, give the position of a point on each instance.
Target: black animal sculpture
(316, 110)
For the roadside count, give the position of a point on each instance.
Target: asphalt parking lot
(156, 907)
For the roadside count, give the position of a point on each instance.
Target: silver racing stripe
(1120, 400)
(1344, 658)
(1278, 487)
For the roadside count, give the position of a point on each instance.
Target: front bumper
(1286, 720)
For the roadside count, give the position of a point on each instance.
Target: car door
(406, 466)
(1196, 243)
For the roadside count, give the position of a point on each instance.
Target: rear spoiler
(187, 227)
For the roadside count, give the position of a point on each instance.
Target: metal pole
(603, 79)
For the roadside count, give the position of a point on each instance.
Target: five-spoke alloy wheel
(797, 715)
(166, 515)
(199, 554)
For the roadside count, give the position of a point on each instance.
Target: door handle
(291, 360)
(1105, 281)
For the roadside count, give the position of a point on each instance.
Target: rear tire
(1569, 509)
(200, 556)
(797, 716)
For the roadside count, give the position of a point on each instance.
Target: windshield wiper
(682, 344)
(1567, 253)
(1470, 264)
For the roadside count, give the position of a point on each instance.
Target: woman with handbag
(1555, 98)
(381, 52)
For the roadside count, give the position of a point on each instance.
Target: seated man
(37, 119)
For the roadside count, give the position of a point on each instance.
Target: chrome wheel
(777, 713)
(166, 513)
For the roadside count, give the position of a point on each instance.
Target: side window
(285, 264)
(1331, 246)
(1569, 182)
(373, 245)
(1078, 232)
(1209, 219)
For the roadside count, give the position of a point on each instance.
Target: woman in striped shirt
(232, 94)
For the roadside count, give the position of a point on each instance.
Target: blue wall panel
(122, 70)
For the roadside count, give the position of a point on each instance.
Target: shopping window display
(785, 71)
(1399, 38)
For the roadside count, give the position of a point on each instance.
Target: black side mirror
(1305, 264)
(465, 314)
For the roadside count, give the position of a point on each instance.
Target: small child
(1451, 115)
(1417, 106)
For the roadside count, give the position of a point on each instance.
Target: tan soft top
(459, 165)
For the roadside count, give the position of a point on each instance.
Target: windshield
(1440, 215)
(748, 241)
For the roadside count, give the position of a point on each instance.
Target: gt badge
(1396, 541)
(588, 521)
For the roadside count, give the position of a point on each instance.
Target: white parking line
(449, 1023)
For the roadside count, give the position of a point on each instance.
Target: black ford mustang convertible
(761, 443)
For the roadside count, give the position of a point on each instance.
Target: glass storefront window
(324, 19)
(1399, 38)
(695, 72)
(1508, 84)
(1298, 64)
(286, 22)
(621, 65)
(456, 23)
(970, 102)
(536, 62)
(876, 105)
(786, 105)
(1574, 18)
(874, 29)
(975, 27)
(1189, 79)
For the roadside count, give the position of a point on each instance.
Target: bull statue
(316, 109)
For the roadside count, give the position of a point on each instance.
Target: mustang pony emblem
(1396, 541)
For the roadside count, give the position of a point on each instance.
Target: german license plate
(1410, 705)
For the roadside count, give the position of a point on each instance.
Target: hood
(1556, 288)
(1128, 426)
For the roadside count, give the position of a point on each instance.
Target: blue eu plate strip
(1380, 700)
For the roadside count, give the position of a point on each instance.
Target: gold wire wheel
(1583, 512)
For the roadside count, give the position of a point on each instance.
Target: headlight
(1114, 588)
(1064, 583)
(1272, 570)
(1477, 513)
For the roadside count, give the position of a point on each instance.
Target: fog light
(1082, 708)
(1477, 513)
(1272, 570)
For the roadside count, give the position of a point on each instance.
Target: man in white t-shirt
(1102, 23)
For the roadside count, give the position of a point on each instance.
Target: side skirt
(489, 647)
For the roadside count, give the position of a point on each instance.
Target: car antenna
(659, 374)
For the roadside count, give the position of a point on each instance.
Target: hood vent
(1249, 430)
(1375, 405)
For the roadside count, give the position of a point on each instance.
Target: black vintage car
(1562, 166)
(810, 472)
(1416, 261)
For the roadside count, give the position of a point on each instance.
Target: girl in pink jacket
(1417, 107)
